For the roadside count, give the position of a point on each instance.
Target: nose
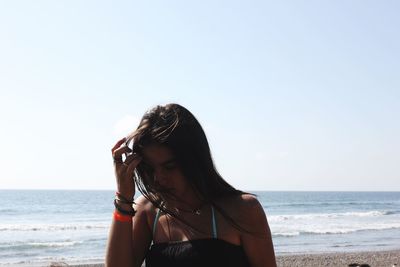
(159, 177)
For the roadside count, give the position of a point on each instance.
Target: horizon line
(248, 190)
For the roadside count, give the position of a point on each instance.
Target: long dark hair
(176, 127)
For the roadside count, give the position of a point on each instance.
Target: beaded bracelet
(122, 211)
(122, 199)
(121, 218)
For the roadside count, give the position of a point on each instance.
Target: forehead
(157, 154)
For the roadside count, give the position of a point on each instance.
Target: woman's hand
(124, 169)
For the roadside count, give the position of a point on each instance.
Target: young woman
(188, 215)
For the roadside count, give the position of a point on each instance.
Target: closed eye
(170, 166)
(146, 166)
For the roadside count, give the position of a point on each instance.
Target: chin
(167, 188)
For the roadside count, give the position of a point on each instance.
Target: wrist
(125, 195)
(124, 208)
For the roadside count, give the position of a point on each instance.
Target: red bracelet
(121, 217)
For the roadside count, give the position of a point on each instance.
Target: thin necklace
(196, 211)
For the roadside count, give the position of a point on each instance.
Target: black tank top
(208, 252)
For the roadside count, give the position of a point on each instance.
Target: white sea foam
(52, 227)
(40, 261)
(333, 223)
(43, 244)
(311, 216)
(331, 231)
(55, 244)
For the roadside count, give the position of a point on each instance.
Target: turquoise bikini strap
(155, 221)
(214, 224)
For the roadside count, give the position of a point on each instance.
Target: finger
(118, 160)
(130, 158)
(118, 144)
(133, 164)
(118, 152)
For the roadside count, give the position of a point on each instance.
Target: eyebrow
(162, 163)
(168, 161)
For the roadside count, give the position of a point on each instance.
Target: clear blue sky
(293, 95)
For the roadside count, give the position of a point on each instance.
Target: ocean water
(38, 227)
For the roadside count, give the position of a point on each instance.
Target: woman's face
(165, 168)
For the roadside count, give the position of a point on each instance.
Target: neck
(185, 200)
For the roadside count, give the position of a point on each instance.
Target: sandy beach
(372, 258)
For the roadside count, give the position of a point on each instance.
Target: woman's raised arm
(129, 236)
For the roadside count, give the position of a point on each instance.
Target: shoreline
(379, 258)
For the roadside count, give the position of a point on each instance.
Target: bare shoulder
(244, 208)
(144, 208)
(256, 240)
(241, 203)
(257, 243)
(249, 201)
(142, 203)
(252, 210)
